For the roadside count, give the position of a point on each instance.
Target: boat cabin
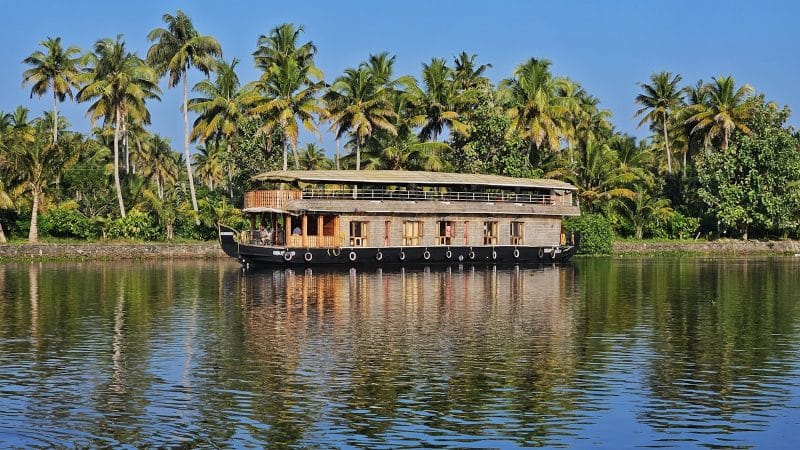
(333, 209)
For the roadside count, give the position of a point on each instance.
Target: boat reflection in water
(455, 350)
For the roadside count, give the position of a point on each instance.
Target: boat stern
(227, 240)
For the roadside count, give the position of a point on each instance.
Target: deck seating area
(277, 199)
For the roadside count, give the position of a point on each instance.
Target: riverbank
(720, 247)
(111, 251)
(210, 250)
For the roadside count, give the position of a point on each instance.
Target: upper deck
(411, 192)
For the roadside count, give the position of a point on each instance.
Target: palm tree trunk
(666, 144)
(569, 150)
(286, 156)
(337, 153)
(358, 156)
(530, 152)
(117, 184)
(186, 146)
(295, 156)
(3, 239)
(139, 148)
(685, 152)
(725, 145)
(55, 118)
(33, 233)
(125, 146)
(230, 171)
(160, 187)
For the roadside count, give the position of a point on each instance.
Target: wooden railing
(314, 241)
(278, 199)
(269, 199)
(449, 196)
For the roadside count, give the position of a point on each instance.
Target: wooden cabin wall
(538, 230)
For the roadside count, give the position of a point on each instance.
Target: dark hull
(257, 256)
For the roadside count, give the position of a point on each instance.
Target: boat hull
(257, 256)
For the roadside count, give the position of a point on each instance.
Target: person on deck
(297, 231)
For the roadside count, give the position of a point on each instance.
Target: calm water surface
(665, 352)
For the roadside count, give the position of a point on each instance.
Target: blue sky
(606, 46)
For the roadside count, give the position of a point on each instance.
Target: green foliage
(596, 234)
(480, 151)
(488, 148)
(136, 225)
(67, 222)
(186, 228)
(89, 181)
(253, 152)
(755, 182)
(674, 226)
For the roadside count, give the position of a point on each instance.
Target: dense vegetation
(720, 160)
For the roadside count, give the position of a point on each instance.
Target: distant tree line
(720, 160)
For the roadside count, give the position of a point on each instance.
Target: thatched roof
(398, 177)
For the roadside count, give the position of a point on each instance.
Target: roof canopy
(398, 177)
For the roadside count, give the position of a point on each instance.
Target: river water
(668, 352)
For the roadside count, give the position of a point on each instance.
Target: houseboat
(376, 217)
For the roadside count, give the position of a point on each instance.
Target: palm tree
(381, 68)
(313, 158)
(637, 160)
(220, 107)
(660, 100)
(438, 101)
(536, 104)
(5, 198)
(467, 74)
(56, 69)
(119, 84)
(208, 164)
(5, 203)
(18, 128)
(598, 175)
(690, 142)
(642, 209)
(287, 88)
(38, 163)
(166, 209)
(137, 140)
(288, 99)
(725, 109)
(358, 104)
(161, 164)
(409, 153)
(591, 122)
(281, 45)
(584, 119)
(178, 48)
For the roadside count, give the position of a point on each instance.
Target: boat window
(329, 226)
(490, 233)
(517, 233)
(311, 226)
(358, 234)
(412, 232)
(445, 231)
